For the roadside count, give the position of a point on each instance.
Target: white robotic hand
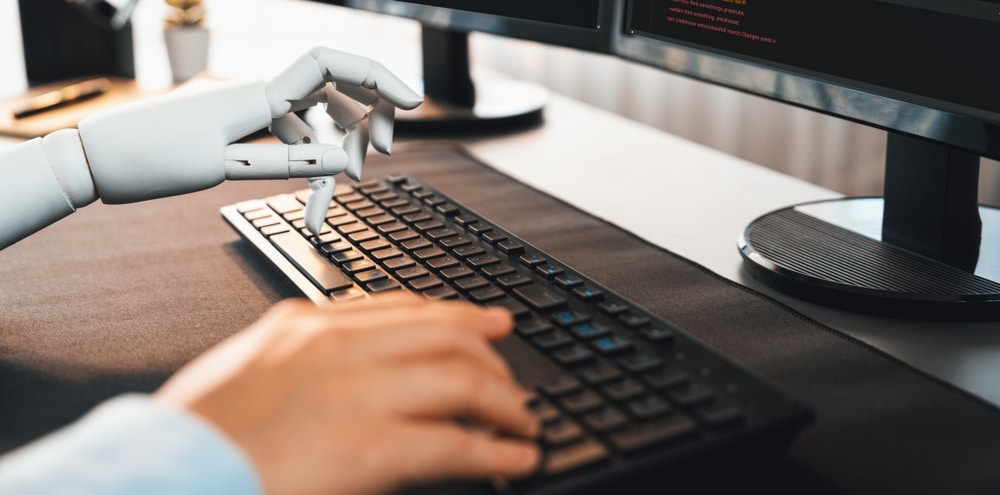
(361, 96)
(184, 142)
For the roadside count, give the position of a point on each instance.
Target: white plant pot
(187, 49)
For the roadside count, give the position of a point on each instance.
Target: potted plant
(186, 38)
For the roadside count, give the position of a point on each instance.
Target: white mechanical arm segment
(184, 142)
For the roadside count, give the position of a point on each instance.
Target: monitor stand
(455, 102)
(925, 250)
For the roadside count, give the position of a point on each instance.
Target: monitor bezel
(597, 39)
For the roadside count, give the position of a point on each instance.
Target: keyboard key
(572, 355)
(611, 344)
(540, 298)
(666, 378)
(346, 256)
(284, 203)
(274, 229)
(467, 251)
(464, 220)
(428, 253)
(471, 283)
(606, 419)
(424, 283)
(318, 269)
(442, 263)
(581, 402)
(497, 270)
(398, 263)
(487, 293)
(570, 318)
(552, 340)
(613, 307)
(532, 326)
(357, 266)
(438, 234)
(516, 309)
(623, 390)
(531, 260)
(572, 457)
(588, 294)
(640, 362)
(415, 244)
(411, 272)
(385, 254)
(648, 407)
(457, 272)
(510, 247)
(513, 280)
(657, 334)
(388, 228)
(548, 271)
(561, 433)
(370, 276)
(601, 373)
(545, 411)
(493, 236)
(455, 242)
(374, 245)
(589, 330)
(559, 385)
(481, 261)
(478, 228)
(669, 429)
(403, 235)
(567, 281)
(633, 320)
(443, 292)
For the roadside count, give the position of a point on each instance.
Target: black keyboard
(621, 392)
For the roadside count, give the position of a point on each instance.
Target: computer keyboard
(621, 392)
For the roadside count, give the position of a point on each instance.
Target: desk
(706, 198)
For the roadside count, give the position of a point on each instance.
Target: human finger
(399, 308)
(415, 333)
(450, 451)
(461, 388)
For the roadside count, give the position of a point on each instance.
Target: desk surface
(703, 198)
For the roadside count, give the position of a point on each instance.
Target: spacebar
(320, 271)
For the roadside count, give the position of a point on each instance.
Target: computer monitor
(926, 72)
(455, 100)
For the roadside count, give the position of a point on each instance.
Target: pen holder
(187, 50)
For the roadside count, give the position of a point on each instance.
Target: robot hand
(357, 80)
(184, 142)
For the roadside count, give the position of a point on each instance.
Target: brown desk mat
(114, 298)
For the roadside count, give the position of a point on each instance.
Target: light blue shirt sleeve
(130, 444)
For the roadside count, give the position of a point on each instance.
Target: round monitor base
(501, 105)
(831, 253)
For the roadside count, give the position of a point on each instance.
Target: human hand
(365, 397)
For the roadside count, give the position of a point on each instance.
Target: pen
(68, 95)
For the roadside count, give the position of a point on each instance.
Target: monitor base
(831, 253)
(500, 105)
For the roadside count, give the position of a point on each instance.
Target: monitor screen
(897, 64)
(924, 71)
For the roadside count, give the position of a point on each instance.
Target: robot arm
(183, 142)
